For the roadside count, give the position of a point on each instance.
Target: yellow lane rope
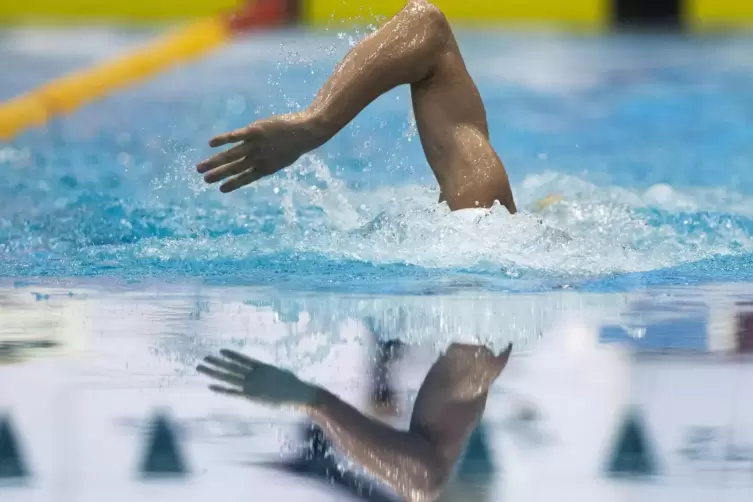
(64, 95)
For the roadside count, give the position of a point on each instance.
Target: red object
(259, 14)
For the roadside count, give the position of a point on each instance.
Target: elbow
(428, 13)
(430, 22)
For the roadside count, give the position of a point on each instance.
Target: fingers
(233, 136)
(231, 368)
(243, 179)
(225, 390)
(503, 358)
(236, 153)
(221, 375)
(227, 366)
(239, 358)
(231, 169)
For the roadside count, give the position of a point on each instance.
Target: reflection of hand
(255, 380)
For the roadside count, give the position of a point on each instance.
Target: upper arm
(452, 397)
(444, 420)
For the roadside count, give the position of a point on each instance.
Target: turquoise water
(649, 139)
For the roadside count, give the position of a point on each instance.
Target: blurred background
(578, 13)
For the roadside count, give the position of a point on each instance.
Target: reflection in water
(744, 328)
(142, 345)
(476, 471)
(416, 463)
(383, 398)
(35, 324)
(493, 320)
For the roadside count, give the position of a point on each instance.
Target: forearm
(404, 461)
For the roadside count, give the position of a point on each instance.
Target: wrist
(319, 127)
(317, 400)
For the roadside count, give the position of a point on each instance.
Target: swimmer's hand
(246, 377)
(264, 147)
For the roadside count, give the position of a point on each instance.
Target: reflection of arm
(404, 460)
(448, 407)
(417, 463)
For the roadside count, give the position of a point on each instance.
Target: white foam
(593, 230)
(405, 224)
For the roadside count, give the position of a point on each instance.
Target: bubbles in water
(308, 211)
(592, 231)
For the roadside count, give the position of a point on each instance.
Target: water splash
(179, 226)
(609, 132)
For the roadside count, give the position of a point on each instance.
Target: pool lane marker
(477, 462)
(12, 464)
(64, 95)
(632, 454)
(163, 456)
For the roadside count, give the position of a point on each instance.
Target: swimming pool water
(649, 139)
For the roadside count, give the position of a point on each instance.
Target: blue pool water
(113, 249)
(649, 139)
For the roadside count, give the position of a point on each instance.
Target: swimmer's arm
(417, 463)
(406, 461)
(449, 405)
(403, 50)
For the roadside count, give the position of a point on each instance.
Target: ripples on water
(640, 207)
(311, 223)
